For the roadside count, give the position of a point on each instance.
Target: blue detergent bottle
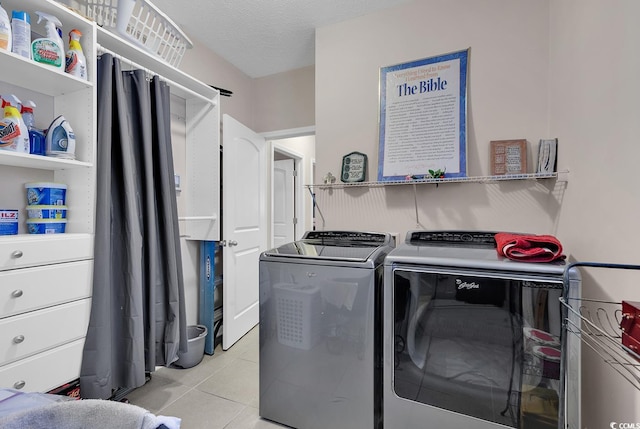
(36, 135)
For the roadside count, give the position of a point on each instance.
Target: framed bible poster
(423, 115)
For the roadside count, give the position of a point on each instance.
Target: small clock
(354, 167)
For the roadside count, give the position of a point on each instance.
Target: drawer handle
(17, 254)
(18, 339)
(17, 293)
(19, 384)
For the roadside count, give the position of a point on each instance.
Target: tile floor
(219, 392)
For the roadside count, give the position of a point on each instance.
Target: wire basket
(141, 22)
(597, 324)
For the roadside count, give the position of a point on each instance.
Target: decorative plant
(437, 174)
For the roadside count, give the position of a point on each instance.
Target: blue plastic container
(46, 194)
(46, 212)
(46, 226)
(8, 222)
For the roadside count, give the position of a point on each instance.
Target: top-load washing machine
(320, 325)
(474, 340)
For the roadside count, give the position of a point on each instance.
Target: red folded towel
(529, 248)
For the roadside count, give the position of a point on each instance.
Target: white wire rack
(470, 179)
(597, 324)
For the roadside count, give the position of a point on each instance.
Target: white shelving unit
(200, 187)
(45, 280)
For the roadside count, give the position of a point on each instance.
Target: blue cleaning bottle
(36, 135)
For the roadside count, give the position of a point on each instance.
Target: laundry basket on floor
(195, 347)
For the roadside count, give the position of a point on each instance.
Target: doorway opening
(291, 170)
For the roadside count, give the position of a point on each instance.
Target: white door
(244, 226)
(283, 202)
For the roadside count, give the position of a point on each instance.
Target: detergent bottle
(36, 135)
(49, 50)
(5, 30)
(76, 63)
(13, 131)
(21, 33)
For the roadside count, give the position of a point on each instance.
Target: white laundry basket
(139, 21)
(298, 309)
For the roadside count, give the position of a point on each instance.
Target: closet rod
(102, 50)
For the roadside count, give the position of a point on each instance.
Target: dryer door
(477, 344)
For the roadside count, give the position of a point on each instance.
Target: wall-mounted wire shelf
(597, 324)
(560, 176)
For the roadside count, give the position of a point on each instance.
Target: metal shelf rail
(598, 326)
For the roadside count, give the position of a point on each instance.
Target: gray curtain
(137, 312)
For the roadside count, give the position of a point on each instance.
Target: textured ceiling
(262, 37)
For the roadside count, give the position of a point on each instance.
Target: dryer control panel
(452, 238)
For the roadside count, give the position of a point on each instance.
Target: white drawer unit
(31, 250)
(39, 287)
(46, 279)
(44, 371)
(36, 331)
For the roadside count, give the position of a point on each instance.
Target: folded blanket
(87, 414)
(528, 248)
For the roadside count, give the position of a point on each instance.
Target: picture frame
(354, 168)
(547, 156)
(423, 117)
(508, 157)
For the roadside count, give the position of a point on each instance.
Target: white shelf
(15, 159)
(470, 179)
(38, 77)
(155, 64)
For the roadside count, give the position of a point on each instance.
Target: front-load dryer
(474, 340)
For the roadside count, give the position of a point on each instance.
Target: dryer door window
(460, 343)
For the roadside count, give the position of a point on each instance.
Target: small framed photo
(508, 157)
(547, 156)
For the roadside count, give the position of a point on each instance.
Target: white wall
(210, 68)
(507, 98)
(565, 69)
(285, 100)
(594, 111)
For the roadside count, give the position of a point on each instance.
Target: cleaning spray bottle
(36, 135)
(60, 140)
(13, 131)
(49, 50)
(76, 63)
(5, 30)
